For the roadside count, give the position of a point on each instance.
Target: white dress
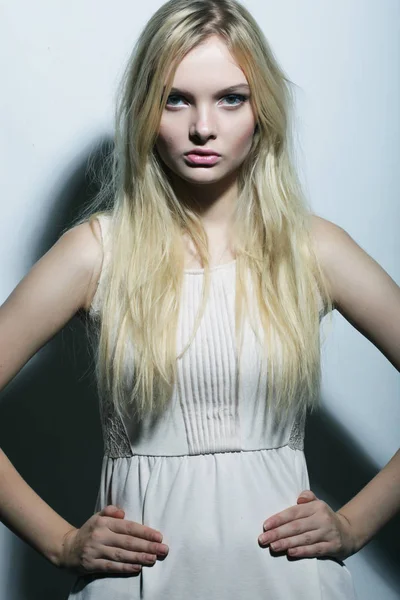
(209, 473)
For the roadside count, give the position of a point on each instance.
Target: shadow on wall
(338, 469)
(50, 429)
(49, 418)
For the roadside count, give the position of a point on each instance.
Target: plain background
(60, 64)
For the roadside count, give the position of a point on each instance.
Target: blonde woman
(204, 283)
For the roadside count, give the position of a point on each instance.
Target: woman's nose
(203, 124)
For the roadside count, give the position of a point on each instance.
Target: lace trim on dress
(296, 439)
(116, 440)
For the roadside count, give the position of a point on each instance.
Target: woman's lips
(202, 159)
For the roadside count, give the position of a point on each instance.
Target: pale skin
(64, 280)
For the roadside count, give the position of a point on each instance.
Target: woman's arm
(362, 290)
(369, 299)
(375, 504)
(61, 283)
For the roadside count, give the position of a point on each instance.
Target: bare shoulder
(68, 271)
(327, 238)
(326, 234)
(362, 291)
(59, 284)
(83, 247)
(342, 259)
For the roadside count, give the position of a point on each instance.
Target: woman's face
(201, 114)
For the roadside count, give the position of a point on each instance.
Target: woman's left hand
(310, 529)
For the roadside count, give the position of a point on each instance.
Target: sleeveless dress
(209, 472)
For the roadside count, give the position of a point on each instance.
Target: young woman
(204, 283)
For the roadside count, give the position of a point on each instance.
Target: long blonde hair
(141, 302)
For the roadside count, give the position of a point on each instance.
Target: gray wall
(60, 65)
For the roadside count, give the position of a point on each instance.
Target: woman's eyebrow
(227, 90)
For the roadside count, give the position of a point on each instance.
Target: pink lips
(202, 159)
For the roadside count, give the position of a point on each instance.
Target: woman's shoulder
(327, 238)
(323, 230)
(89, 238)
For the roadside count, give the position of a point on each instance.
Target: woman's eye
(239, 97)
(172, 96)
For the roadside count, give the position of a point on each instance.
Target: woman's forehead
(209, 65)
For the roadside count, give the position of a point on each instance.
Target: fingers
(319, 549)
(119, 555)
(136, 529)
(109, 566)
(120, 542)
(306, 496)
(136, 537)
(113, 511)
(289, 514)
(305, 539)
(136, 545)
(108, 543)
(290, 530)
(309, 529)
(131, 528)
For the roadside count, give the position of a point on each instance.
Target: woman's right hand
(107, 543)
